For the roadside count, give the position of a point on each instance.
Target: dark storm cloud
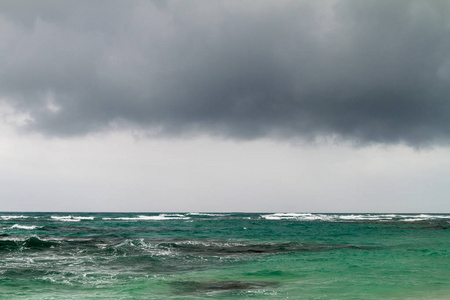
(365, 71)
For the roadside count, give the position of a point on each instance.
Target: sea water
(217, 256)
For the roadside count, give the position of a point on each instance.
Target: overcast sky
(302, 106)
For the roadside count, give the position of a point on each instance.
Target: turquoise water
(228, 256)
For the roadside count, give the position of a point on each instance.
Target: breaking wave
(71, 218)
(353, 217)
(33, 242)
(31, 227)
(152, 218)
(13, 217)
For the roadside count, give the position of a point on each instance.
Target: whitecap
(65, 218)
(83, 218)
(420, 217)
(360, 217)
(61, 217)
(294, 216)
(14, 217)
(206, 214)
(71, 218)
(343, 218)
(31, 227)
(281, 216)
(152, 218)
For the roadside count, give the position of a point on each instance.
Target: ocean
(224, 256)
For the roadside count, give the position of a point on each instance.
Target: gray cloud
(364, 71)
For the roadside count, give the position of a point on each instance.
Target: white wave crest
(13, 217)
(295, 216)
(31, 227)
(65, 218)
(206, 214)
(71, 218)
(83, 218)
(353, 217)
(152, 218)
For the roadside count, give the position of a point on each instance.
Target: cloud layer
(364, 71)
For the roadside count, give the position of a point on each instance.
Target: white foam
(61, 217)
(425, 216)
(205, 214)
(152, 218)
(13, 217)
(352, 217)
(65, 218)
(83, 218)
(359, 217)
(141, 244)
(294, 216)
(31, 227)
(71, 218)
(442, 217)
(279, 216)
(420, 217)
(211, 243)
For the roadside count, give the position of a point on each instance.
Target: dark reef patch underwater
(209, 256)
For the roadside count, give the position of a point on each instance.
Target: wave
(295, 216)
(200, 248)
(35, 242)
(151, 218)
(14, 217)
(206, 214)
(31, 227)
(31, 242)
(71, 218)
(83, 218)
(214, 248)
(353, 217)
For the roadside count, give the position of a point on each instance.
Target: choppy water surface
(209, 256)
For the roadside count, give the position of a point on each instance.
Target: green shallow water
(228, 256)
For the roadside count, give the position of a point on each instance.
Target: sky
(227, 106)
